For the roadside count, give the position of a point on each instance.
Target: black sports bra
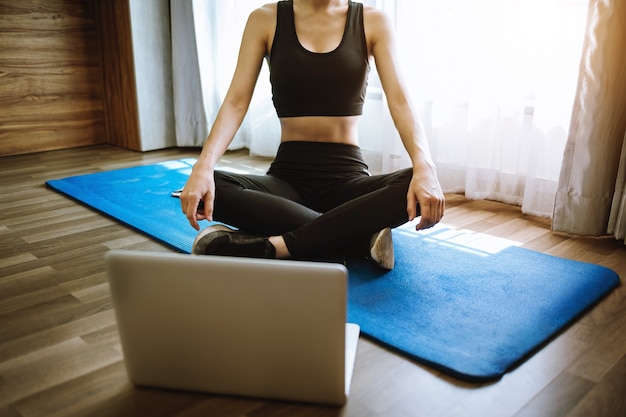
(306, 83)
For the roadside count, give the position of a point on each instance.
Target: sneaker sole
(381, 249)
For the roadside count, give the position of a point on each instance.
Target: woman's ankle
(278, 242)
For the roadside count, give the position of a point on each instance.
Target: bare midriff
(335, 129)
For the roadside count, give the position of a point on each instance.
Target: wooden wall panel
(50, 77)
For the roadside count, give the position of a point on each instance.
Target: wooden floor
(60, 352)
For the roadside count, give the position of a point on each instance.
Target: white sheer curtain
(205, 41)
(493, 81)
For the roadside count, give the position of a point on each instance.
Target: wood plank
(59, 363)
(81, 396)
(40, 339)
(607, 398)
(31, 298)
(558, 398)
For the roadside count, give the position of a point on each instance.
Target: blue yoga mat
(467, 304)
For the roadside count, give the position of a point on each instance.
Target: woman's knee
(226, 180)
(400, 180)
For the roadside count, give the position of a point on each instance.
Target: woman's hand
(426, 191)
(197, 197)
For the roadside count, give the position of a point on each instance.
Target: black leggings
(318, 196)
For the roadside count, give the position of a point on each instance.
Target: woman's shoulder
(377, 24)
(262, 23)
(375, 16)
(265, 12)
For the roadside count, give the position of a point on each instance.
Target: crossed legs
(314, 218)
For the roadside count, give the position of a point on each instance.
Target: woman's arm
(254, 46)
(424, 189)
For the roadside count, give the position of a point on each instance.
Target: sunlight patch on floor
(460, 239)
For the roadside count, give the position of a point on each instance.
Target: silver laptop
(271, 329)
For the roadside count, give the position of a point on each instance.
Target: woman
(317, 199)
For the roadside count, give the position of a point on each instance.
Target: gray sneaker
(381, 249)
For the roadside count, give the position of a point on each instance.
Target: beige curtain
(617, 220)
(590, 197)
